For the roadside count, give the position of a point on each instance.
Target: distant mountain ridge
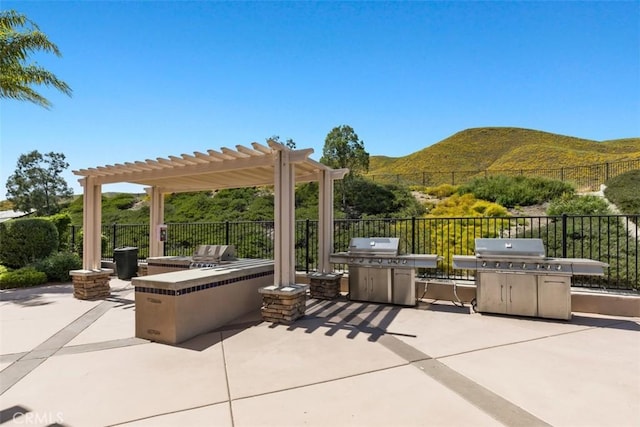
(506, 148)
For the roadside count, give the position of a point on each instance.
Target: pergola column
(156, 247)
(284, 221)
(92, 282)
(325, 221)
(91, 224)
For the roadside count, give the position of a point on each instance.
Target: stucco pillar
(325, 221)
(156, 213)
(284, 221)
(91, 224)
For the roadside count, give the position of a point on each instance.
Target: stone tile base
(91, 285)
(143, 269)
(324, 285)
(283, 304)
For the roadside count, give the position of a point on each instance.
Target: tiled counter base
(174, 307)
(90, 284)
(324, 285)
(283, 304)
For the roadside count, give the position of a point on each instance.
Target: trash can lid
(126, 248)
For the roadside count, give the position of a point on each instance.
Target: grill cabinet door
(507, 293)
(554, 297)
(358, 283)
(380, 285)
(404, 288)
(491, 292)
(522, 293)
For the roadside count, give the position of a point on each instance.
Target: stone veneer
(91, 284)
(283, 304)
(324, 285)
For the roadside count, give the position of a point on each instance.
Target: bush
(22, 278)
(442, 190)
(578, 205)
(62, 221)
(57, 266)
(516, 191)
(24, 241)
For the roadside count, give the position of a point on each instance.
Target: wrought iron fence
(588, 176)
(613, 239)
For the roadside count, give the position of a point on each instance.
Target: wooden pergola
(261, 165)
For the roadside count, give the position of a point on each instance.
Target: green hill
(504, 148)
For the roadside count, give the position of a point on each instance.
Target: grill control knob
(559, 268)
(379, 260)
(497, 265)
(510, 265)
(538, 266)
(524, 266)
(484, 263)
(549, 267)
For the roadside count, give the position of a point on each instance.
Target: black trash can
(126, 260)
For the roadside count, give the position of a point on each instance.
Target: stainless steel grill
(515, 277)
(212, 255)
(377, 273)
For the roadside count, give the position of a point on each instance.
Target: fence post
(413, 234)
(453, 178)
(72, 245)
(564, 235)
(114, 239)
(306, 246)
(226, 232)
(606, 172)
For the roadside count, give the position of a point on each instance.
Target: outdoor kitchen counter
(173, 307)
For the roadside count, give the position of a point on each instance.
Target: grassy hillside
(496, 148)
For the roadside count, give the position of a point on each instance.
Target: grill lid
(214, 253)
(509, 248)
(368, 246)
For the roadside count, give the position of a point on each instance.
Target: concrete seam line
(484, 399)
(22, 367)
(226, 378)
(177, 411)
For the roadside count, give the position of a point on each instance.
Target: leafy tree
(343, 149)
(37, 182)
(19, 37)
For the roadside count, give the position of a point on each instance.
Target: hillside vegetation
(624, 192)
(500, 148)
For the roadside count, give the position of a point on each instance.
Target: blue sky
(153, 79)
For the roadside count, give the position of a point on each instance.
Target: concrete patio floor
(77, 363)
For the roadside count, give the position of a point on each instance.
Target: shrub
(442, 190)
(516, 191)
(24, 277)
(57, 266)
(578, 205)
(62, 222)
(25, 241)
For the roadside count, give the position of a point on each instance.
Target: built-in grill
(212, 255)
(513, 276)
(377, 273)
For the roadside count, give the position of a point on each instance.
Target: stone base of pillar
(143, 269)
(283, 304)
(324, 285)
(91, 284)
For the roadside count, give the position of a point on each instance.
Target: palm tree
(19, 36)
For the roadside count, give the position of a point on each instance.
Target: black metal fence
(613, 239)
(588, 176)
